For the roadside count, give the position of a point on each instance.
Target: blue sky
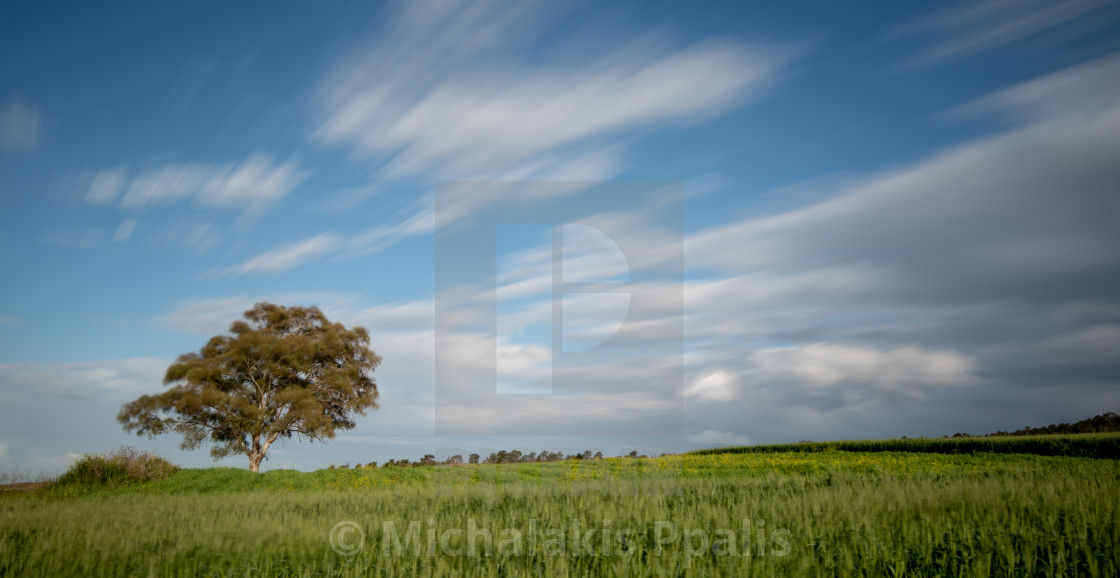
(896, 219)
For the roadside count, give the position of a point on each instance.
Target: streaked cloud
(973, 27)
(195, 233)
(986, 270)
(125, 230)
(253, 184)
(213, 315)
(826, 365)
(990, 213)
(290, 256)
(1079, 93)
(435, 95)
(106, 186)
(829, 376)
(898, 287)
(93, 380)
(381, 237)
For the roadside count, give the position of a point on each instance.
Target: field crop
(1102, 445)
(819, 513)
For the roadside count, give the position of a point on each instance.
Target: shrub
(123, 467)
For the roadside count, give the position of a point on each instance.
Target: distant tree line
(1105, 422)
(501, 457)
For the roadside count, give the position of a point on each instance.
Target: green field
(823, 512)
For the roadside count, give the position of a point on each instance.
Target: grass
(817, 513)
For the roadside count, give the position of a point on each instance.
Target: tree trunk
(258, 451)
(256, 454)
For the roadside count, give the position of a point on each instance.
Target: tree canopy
(283, 371)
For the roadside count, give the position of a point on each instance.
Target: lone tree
(284, 371)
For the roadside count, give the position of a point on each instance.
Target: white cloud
(83, 381)
(293, 255)
(821, 365)
(410, 316)
(565, 175)
(419, 223)
(974, 27)
(106, 186)
(346, 199)
(256, 182)
(523, 368)
(170, 182)
(883, 291)
(1025, 204)
(290, 256)
(214, 315)
(715, 438)
(193, 233)
(125, 230)
(1080, 93)
(379, 238)
(1001, 249)
(253, 184)
(517, 120)
(440, 96)
(207, 316)
(20, 125)
(589, 166)
(715, 385)
(825, 374)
